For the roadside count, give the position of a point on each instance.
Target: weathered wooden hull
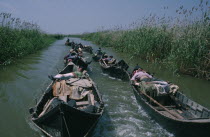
(88, 49)
(115, 71)
(181, 128)
(79, 62)
(69, 44)
(67, 121)
(64, 120)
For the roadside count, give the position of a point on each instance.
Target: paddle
(174, 114)
(104, 63)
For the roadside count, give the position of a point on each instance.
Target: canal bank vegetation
(182, 43)
(19, 38)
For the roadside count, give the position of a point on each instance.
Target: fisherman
(72, 44)
(71, 53)
(99, 52)
(80, 45)
(75, 74)
(71, 56)
(67, 42)
(141, 75)
(111, 60)
(105, 58)
(136, 68)
(79, 50)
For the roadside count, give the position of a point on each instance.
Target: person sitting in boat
(136, 69)
(70, 52)
(105, 58)
(141, 75)
(67, 42)
(79, 50)
(72, 44)
(99, 52)
(75, 74)
(71, 55)
(111, 60)
(80, 45)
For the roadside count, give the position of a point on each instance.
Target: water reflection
(24, 81)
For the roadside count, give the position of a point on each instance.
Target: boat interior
(179, 106)
(79, 93)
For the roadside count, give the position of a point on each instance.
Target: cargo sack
(76, 92)
(153, 90)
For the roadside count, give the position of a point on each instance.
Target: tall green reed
(182, 43)
(19, 38)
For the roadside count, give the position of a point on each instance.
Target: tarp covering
(158, 89)
(79, 82)
(75, 88)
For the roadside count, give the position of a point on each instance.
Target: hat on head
(79, 49)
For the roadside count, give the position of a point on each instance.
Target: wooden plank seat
(168, 107)
(169, 115)
(82, 103)
(90, 101)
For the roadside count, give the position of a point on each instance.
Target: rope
(43, 130)
(62, 113)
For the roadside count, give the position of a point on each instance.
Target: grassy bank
(19, 38)
(181, 43)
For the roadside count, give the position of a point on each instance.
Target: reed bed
(181, 43)
(19, 38)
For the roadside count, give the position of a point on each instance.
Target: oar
(104, 62)
(174, 114)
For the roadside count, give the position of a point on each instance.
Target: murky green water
(24, 81)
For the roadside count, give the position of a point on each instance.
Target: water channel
(23, 82)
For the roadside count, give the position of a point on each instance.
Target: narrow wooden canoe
(87, 48)
(176, 112)
(118, 70)
(79, 61)
(65, 116)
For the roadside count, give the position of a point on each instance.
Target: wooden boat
(69, 43)
(68, 108)
(79, 61)
(97, 57)
(176, 112)
(87, 48)
(117, 70)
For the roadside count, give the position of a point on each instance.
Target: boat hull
(76, 118)
(67, 121)
(115, 71)
(88, 49)
(178, 127)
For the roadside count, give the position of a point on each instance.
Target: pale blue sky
(78, 16)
